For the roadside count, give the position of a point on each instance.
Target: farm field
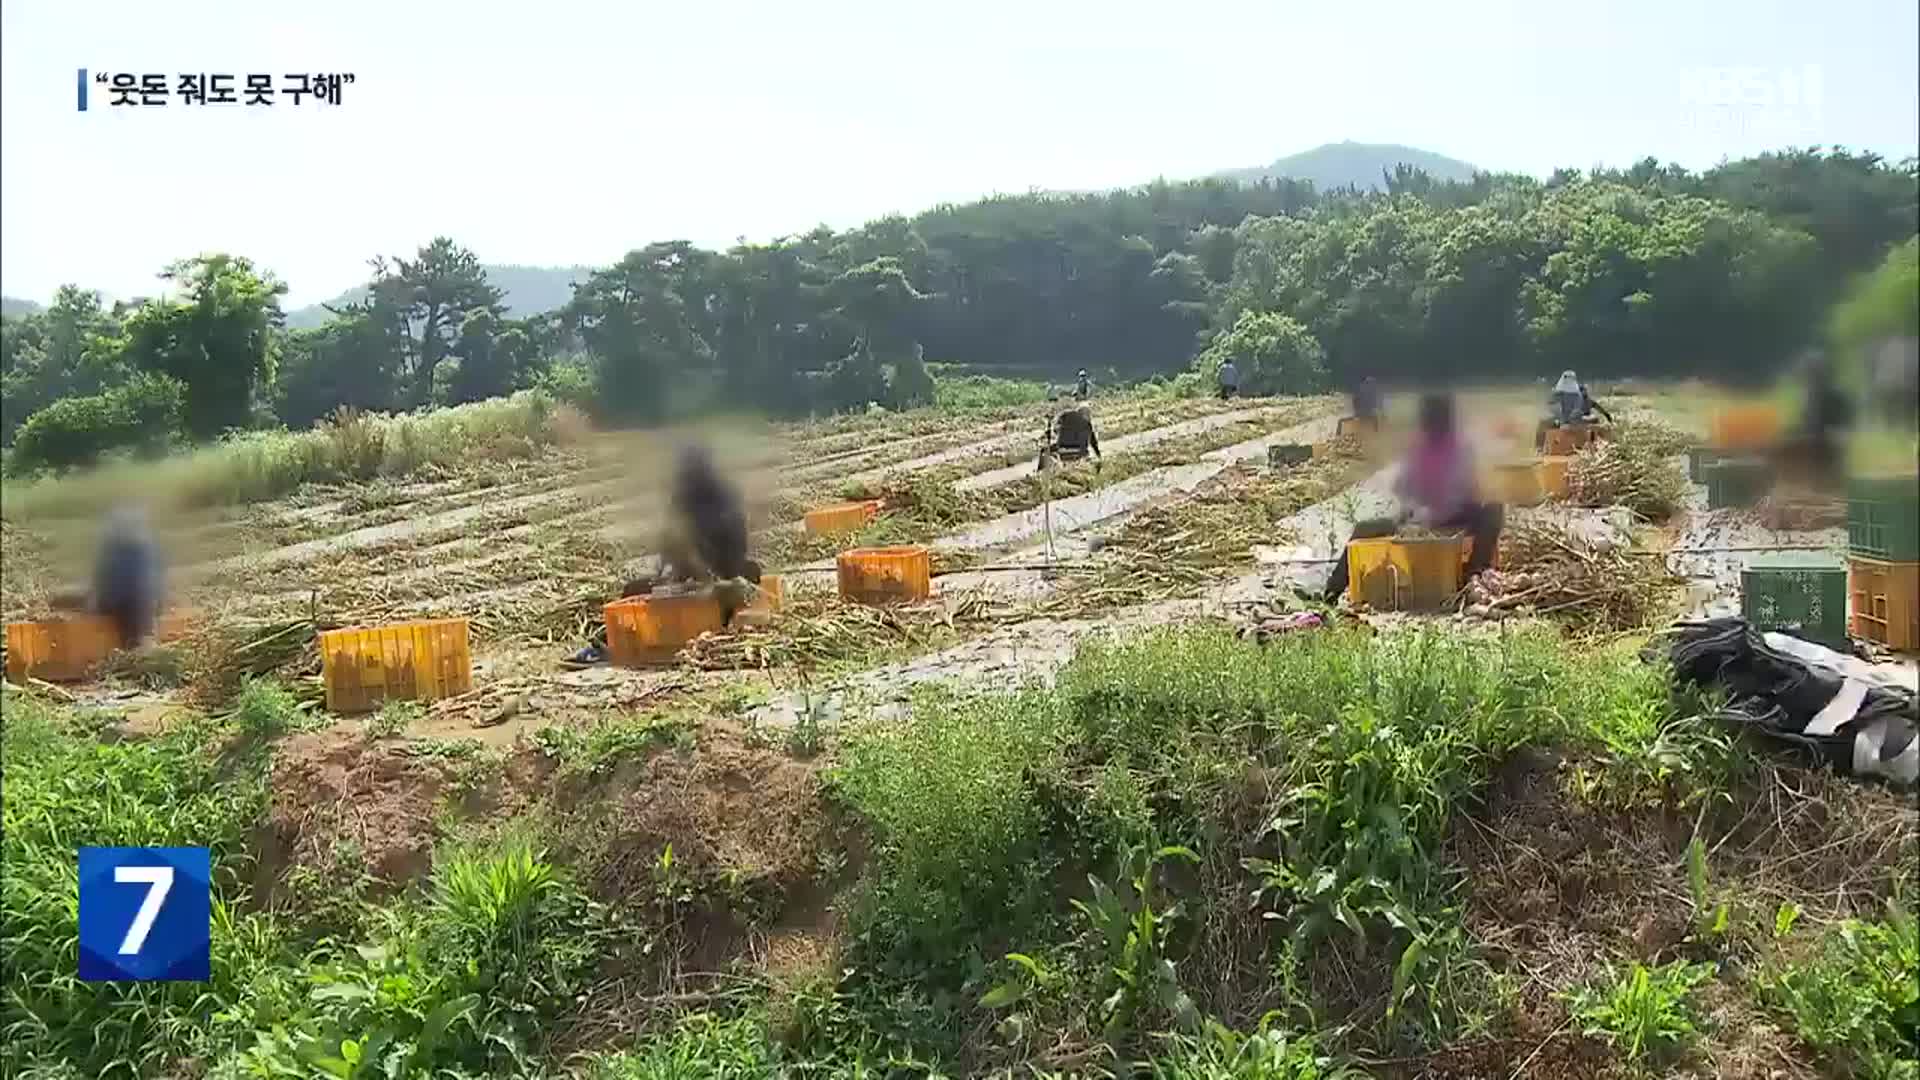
(1090, 811)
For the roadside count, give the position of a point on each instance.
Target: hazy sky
(568, 131)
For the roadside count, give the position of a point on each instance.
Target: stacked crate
(1800, 593)
(1883, 559)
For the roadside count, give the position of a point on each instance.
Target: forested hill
(1650, 269)
(1360, 165)
(14, 306)
(530, 290)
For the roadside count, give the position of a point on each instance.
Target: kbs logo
(1751, 88)
(146, 914)
(1750, 103)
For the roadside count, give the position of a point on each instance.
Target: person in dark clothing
(1367, 401)
(1816, 447)
(1083, 389)
(1229, 380)
(126, 577)
(1569, 404)
(1437, 488)
(1071, 437)
(704, 539)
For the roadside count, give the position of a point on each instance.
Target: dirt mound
(332, 788)
(751, 817)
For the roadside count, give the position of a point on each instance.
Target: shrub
(142, 414)
(1274, 353)
(951, 800)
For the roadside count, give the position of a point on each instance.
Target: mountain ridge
(1337, 165)
(530, 290)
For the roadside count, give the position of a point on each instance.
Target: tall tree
(431, 293)
(219, 340)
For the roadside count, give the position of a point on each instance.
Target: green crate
(1737, 482)
(1883, 517)
(1804, 593)
(1281, 455)
(1698, 459)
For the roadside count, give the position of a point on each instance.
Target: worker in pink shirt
(1438, 489)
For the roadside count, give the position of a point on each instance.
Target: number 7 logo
(162, 932)
(160, 882)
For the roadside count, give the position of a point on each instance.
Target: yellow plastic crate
(771, 594)
(841, 518)
(886, 575)
(1400, 574)
(648, 630)
(1751, 426)
(365, 667)
(1552, 475)
(59, 650)
(1515, 484)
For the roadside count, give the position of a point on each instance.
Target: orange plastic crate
(886, 575)
(1885, 602)
(59, 650)
(365, 667)
(647, 630)
(1564, 441)
(1396, 574)
(175, 625)
(1552, 473)
(842, 518)
(1745, 427)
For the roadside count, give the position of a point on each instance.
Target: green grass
(966, 393)
(1188, 857)
(266, 465)
(64, 790)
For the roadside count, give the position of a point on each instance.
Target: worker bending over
(1816, 449)
(1438, 490)
(1568, 404)
(1070, 437)
(126, 577)
(703, 540)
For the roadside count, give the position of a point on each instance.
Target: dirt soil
(333, 786)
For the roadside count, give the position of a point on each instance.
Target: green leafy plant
(1130, 925)
(1710, 916)
(1645, 1012)
(1855, 999)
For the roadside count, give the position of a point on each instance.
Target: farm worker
(704, 538)
(1366, 401)
(1071, 437)
(1569, 403)
(1823, 420)
(1083, 389)
(1438, 490)
(1229, 380)
(126, 576)
(1896, 380)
